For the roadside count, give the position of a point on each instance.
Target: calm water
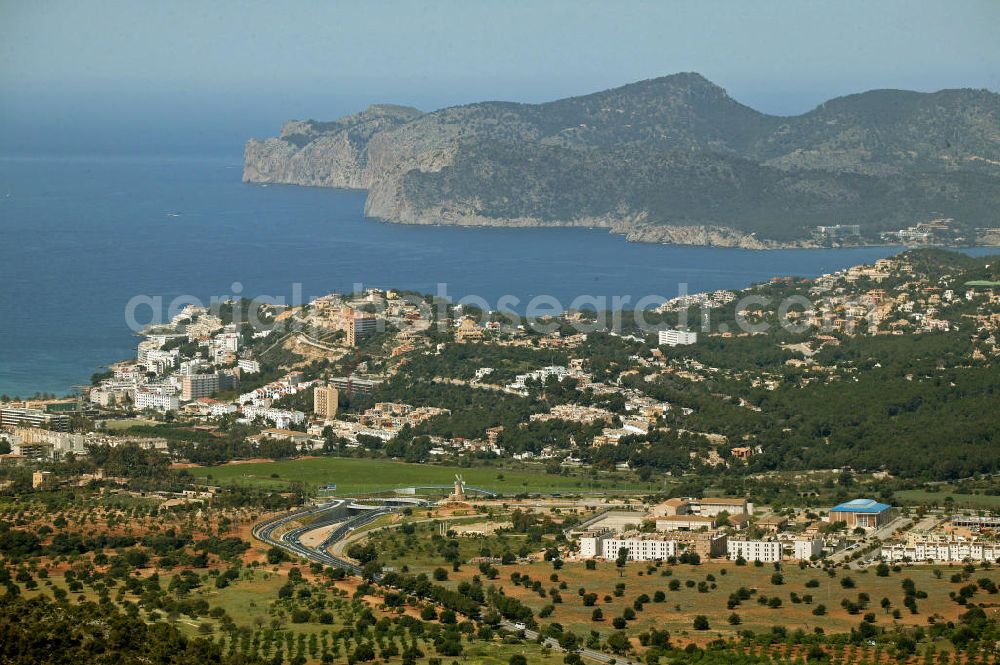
(79, 237)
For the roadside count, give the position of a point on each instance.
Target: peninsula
(673, 160)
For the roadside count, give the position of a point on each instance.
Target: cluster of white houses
(942, 548)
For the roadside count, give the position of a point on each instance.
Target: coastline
(633, 228)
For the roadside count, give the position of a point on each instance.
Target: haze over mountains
(672, 159)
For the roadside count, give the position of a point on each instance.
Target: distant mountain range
(672, 159)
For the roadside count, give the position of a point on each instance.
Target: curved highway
(324, 515)
(339, 511)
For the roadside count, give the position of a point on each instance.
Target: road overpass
(350, 513)
(465, 488)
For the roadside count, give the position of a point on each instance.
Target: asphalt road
(290, 540)
(882, 533)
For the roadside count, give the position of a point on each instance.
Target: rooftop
(686, 518)
(861, 506)
(285, 433)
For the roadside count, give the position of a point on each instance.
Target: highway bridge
(466, 488)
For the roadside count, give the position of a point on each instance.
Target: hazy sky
(226, 69)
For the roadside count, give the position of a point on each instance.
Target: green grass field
(360, 476)
(117, 425)
(973, 501)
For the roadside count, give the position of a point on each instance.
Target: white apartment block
(677, 338)
(592, 543)
(101, 397)
(605, 544)
(282, 418)
(129, 373)
(290, 384)
(143, 348)
(37, 443)
(227, 342)
(156, 400)
(161, 339)
(804, 549)
(766, 551)
(542, 374)
(191, 367)
(160, 361)
(248, 365)
(640, 548)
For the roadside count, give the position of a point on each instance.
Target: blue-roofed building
(864, 513)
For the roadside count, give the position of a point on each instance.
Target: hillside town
(203, 369)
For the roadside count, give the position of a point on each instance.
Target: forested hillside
(674, 152)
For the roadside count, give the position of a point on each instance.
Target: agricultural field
(946, 497)
(361, 476)
(705, 590)
(197, 569)
(278, 614)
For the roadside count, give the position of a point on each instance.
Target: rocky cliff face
(671, 160)
(317, 154)
(329, 161)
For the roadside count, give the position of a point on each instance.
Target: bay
(80, 236)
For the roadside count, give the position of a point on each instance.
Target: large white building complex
(157, 398)
(707, 526)
(677, 338)
(641, 546)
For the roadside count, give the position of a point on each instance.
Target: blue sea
(80, 237)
